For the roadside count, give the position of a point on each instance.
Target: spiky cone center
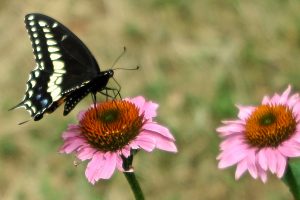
(111, 125)
(270, 125)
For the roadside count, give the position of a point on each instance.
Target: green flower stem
(290, 179)
(136, 189)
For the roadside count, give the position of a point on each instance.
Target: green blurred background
(198, 59)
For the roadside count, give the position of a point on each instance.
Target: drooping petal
(143, 142)
(94, 166)
(101, 166)
(161, 142)
(159, 129)
(109, 166)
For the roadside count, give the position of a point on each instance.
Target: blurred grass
(198, 59)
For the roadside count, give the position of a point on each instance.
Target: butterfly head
(110, 73)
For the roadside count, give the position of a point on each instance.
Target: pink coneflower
(263, 137)
(107, 135)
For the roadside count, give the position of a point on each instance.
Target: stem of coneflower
(290, 179)
(135, 186)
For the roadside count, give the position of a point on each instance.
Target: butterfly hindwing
(35, 101)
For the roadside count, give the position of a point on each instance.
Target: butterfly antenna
(118, 58)
(21, 123)
(136, 68)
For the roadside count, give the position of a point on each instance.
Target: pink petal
(233, 140)
(262, 159)
(70, 134)
(296, 109)
(296, 137)
(161, 142)
(80, 115)
(143, 142)
(275, 99)
(109, 166)
(86, 153)
(93, 166)
(245, 111)
(266, 100)
(149, 109)
(120, 164)
(139, 101)
(74, 127)
(271, 156)
(289, 148)
(241, 168)
(281, 165)
(252, 164)
(293, 100)
(232, 156)
(284, 96)
(288, 152)
(71, 145)
(125, 151)
(231, 129)
(238, 122)
(101, 166)
(262, 175)
(156, 128)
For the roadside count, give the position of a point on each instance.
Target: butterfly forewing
(63, 65)
(58, 50)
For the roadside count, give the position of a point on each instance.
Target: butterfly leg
(116, 93)
(118, 89)
(106, 94)
(94, 98)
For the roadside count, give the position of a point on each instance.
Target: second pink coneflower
(263, 137)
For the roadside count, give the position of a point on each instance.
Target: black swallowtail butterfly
(66, 71)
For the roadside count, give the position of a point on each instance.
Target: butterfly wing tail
(17, 106)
